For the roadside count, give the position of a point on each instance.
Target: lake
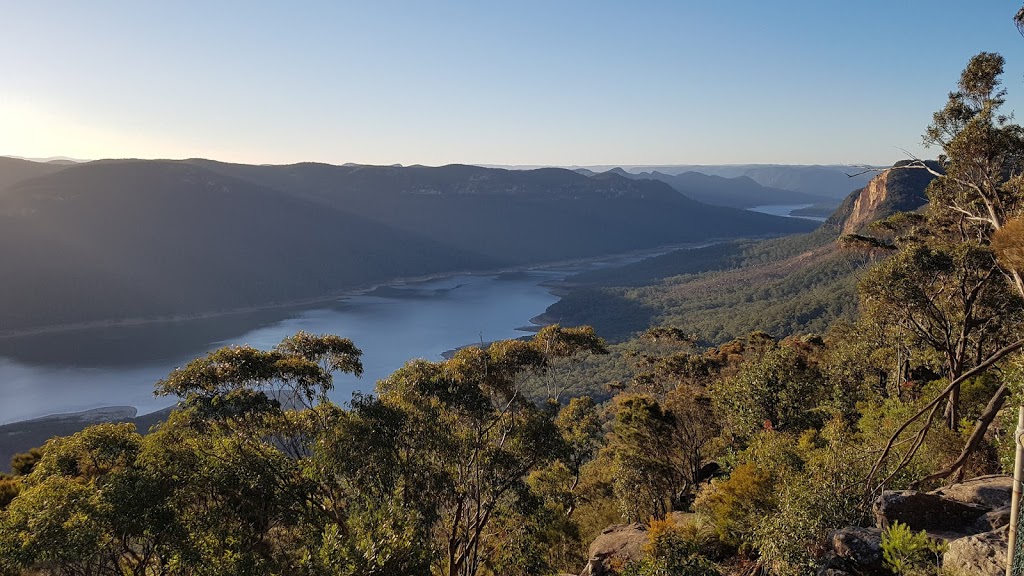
(117, 366)
(786, 210)
(78, 370)
(390, 325)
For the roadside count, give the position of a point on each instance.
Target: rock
(616, 547)
(989, 491)
(709, 471)
(858, 551)
(888, 192)
(931, 512)
(829, 571)
(994, 520)
(972, 517)
(980, 554)
(620, 544)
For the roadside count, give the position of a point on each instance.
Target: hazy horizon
(654, 83)
(601, 167)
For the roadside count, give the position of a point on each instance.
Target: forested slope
(789, 285)
(115, 240)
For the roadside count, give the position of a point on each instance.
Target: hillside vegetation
(118, 240)
(797, 284)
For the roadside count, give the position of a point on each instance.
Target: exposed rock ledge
(971, 517)
(617, 546)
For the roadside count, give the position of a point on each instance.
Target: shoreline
(555, 287)
(333, 296)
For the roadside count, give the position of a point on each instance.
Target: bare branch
(992, 359)
(864, 171)
(980, 428)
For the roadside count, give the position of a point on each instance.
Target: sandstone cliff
(898, 189)
(866, 203)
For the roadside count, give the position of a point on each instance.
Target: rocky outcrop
(620, 544)
(982, 554)
(898, 189)
(971, 517)
(994, 520)
(929, 512)
(617, 546)
(857, 551)
(866, 203)
(992, 491)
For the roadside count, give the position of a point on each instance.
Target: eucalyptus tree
(977, 193)
(91, 507)
(470, 436)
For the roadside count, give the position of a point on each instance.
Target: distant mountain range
(118, 240)
(737, 192)
(832, 181)
(13, 170)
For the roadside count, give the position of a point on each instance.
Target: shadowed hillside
(116, 240)
(14, 170)
(737, 192)
(120, 240)
(518, 216)
(781, 286)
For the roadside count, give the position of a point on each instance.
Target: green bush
(910, 554)
(671, 550)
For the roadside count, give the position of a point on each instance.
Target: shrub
(908, 553)
(737, 504)
(671, 551)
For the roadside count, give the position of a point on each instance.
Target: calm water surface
(74, 371)
(786, 210)
(389, 325)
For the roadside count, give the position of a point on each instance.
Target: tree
(977, 192)
(650, 475)
(580, 426)
(23, 462)
(470, 438)
(246, 457)
(779, 389)
(91, 507)
(948, 296)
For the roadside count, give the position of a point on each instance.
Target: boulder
(972, 517)
(616, 547)
(857, 550)
(994, 520)
(944, 517)
(989, 491)
(980, 554)
(620, 544)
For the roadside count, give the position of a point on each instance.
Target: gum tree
(977, 193)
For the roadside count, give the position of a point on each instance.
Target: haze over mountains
(833, 181)
(141, 239)
(737, 192)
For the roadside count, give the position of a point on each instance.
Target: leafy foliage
(908, 553)
(671, 551)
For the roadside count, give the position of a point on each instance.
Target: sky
(552, 82)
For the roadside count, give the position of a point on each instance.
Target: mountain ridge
(125, 239)
(737, 192)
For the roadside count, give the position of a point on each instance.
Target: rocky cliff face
(898, 189)
(866, 203)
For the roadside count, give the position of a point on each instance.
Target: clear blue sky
(524, 82)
